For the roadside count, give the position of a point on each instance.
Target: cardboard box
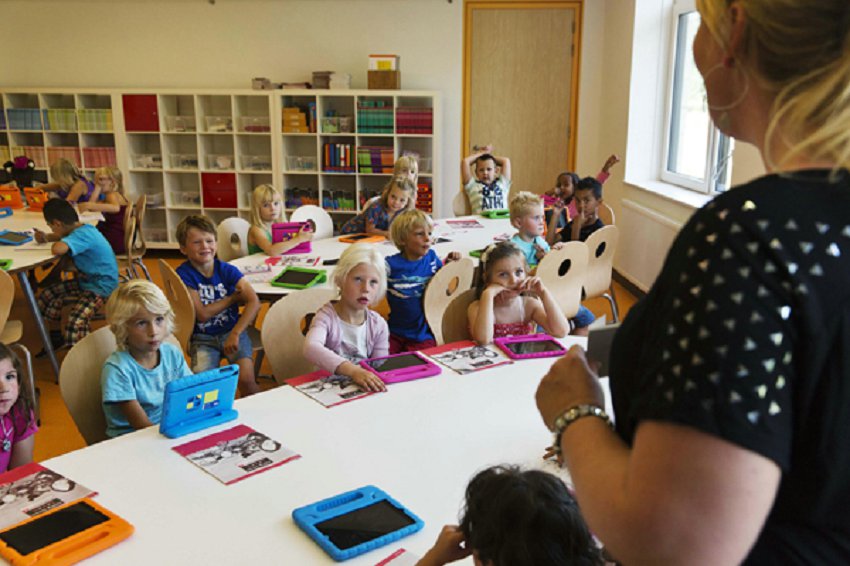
(384, 80)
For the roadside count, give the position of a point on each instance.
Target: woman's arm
(678, 496)
(257, 236)
(134, 414)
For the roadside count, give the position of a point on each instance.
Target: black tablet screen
(53, 528)
(355, 237)
(16, 238)
(397, 362)
(534, 347)
(364, 524)
(296, 277)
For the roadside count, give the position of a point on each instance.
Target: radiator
(645, 238)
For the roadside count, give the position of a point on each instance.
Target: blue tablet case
(20, 238)
(309, 516)
(199, 401)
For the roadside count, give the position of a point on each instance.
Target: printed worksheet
(32, 489)
(236, 453)
(466, 357)
(327, 389)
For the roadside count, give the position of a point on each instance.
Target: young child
(486, 189)
(217, 289)
(502, 309)
(588, 197)
(346, 331)
(560, 198)
(69, 183)
(113, 206)
(398, 195)
(97, 272)
(407, 166)
(408, 274)
(17, 416)
(517, 518)
(266, 209)
(527, 217)
(134, 376)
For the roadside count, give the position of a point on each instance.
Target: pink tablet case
(503, 342)
(426, 369)
(282, 231)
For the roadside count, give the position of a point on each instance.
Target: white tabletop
(460, 239)
(420, 442)
(32, 253)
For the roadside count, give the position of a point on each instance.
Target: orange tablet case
(361, 238)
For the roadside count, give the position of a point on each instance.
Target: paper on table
(400, 557)
(467, 356)
(326, 389)
(32, 489)
(33, 246)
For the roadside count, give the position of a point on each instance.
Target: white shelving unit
(203, 151)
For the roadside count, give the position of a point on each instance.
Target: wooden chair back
(562, 272)
(284, 328)
(324, 223)
(606, 214)
(601, 246)
(233, 238)
(7, 297)
(451, 280)
(460, 204)
(455, 323)
(181, 303)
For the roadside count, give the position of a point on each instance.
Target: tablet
(299, 277)
(9, 238)
(64, 535)
(5, 264)
(401, 367)
(283, 231)
(5, 211)
(355, 522)
(530, 346)
(599, 341)
(199, 401)
(477, 253)
(355, 238)
(497, 213)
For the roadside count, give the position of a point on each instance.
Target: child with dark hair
(97, 271)
(588, 197)
(560, 206)
(517, 518)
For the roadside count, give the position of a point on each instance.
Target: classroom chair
(452, 279)
(284, 329)
(232, 236)
(79, 382)
(11, 332)
(134, 239)
(184, 313)
(606, 214)
(455, 323)
(125, 260)
(563, 273)
(460, 204)
(324, 223)
(601, 246)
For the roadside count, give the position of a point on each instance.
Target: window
(697, 156)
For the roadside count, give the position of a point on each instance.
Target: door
(520, 84)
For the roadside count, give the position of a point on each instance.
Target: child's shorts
(582, 318)
(207, 350)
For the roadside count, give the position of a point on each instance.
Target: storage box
(180, 124)
(383, 62)
(301, 163)
(219, 124)
(35, 198)
(147, 161)
(219, 190)
(183, 161)
(254, 124)
(11, 197)
(219, 161)
(186, 198)
(384, 80)
(257, 162)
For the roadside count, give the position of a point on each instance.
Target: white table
(421, 442)
(462, 240)
(27, 257)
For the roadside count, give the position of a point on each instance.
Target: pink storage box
(282, 231)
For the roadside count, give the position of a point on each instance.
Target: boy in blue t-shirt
(217, 289)
(97, 270)
(527, 217)
(408, 273)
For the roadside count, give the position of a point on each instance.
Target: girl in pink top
(17, 417)
(346, 331)
(560, 197)
(510, 302)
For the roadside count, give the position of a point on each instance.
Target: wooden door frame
(469, 6)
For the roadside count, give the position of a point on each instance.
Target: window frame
(718, 162)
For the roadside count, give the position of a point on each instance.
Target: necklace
(7, 444)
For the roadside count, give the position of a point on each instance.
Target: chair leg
(612, 299)
(31, 378)
(258, 363)
(144, 269)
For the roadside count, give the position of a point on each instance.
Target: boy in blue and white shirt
(486, 189)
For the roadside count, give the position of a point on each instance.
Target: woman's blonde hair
(64, 172)
(405, 223)
(113, 173)
(125, 302)
(404, 184)
(356, 254)
(800, 51)
(261, 195)
(406, 163)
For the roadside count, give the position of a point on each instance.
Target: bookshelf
(203, 151)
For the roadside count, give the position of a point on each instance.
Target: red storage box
(219, 190)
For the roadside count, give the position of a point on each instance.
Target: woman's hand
(569, 382)
(367, 380)
(449, 547)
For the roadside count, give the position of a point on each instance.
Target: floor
(58, 435)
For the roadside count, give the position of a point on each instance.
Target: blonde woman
(730, 379)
